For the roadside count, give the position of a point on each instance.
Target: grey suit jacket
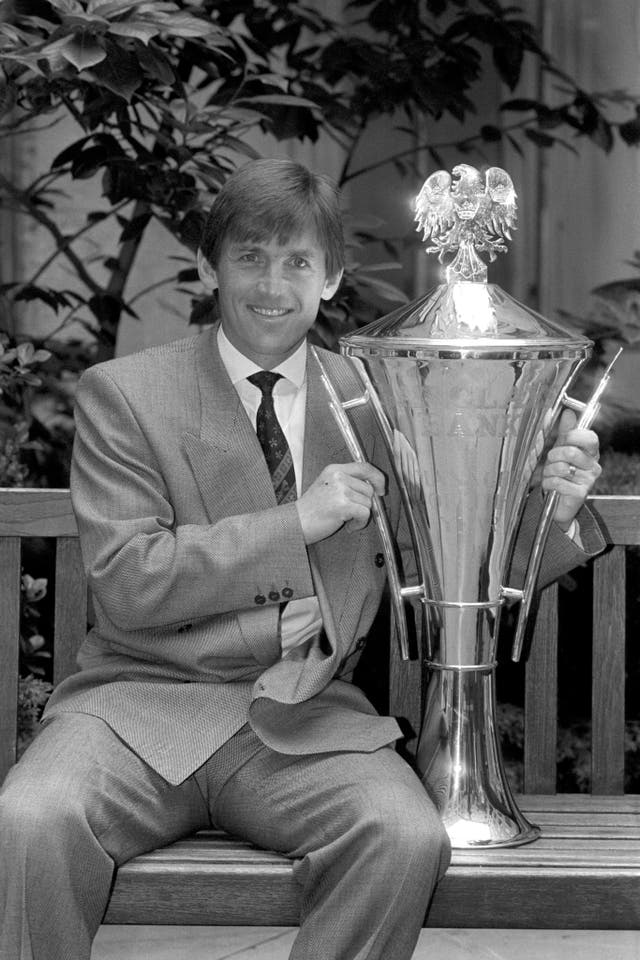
(188, 554)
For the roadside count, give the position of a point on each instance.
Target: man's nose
(271, 278)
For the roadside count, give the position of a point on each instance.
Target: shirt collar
(240, 367)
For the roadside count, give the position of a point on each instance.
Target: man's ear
(331, 285)
(206, 272)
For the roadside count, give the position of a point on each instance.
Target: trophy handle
(397, 591)
(417, 540)
(588, 412)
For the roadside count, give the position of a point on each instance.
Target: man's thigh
(78, 768)
(295, 804)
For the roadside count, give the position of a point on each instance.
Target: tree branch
(71, 238)
(55, 232)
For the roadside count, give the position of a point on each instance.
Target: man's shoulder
(153, 362)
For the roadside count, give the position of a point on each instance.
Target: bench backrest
(28, 513)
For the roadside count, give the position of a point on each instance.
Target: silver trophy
(466, 384)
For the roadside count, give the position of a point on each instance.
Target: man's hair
(276, 199)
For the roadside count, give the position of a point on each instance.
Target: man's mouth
(268, 311)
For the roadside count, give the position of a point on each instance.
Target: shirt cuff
(573, 532)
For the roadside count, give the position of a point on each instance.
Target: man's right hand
(341, 495)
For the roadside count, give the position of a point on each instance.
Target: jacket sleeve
(145, 569)
(561, 554)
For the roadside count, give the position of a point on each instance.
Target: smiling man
(235, 575)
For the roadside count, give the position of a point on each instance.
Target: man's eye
(299, 262)
(249, 257)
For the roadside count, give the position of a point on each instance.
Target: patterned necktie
(272, 439)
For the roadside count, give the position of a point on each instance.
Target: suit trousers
(367, 843)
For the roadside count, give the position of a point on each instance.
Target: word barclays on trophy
(466, 384)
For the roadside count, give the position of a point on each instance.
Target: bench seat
(582, 873)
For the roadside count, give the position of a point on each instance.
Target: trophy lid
(465, 316)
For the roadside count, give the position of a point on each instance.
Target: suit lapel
(225, 456)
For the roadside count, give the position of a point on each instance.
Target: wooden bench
(584, 872)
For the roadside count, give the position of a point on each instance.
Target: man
(235, 573)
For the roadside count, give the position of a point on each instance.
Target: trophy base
(460, 762)
(469, 834)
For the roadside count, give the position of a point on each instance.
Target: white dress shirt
(301, 619)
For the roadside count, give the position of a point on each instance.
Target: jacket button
(379, 560)
(185, 628)
(360, 642)
(259, 598)
(274, 595)
(287, 593)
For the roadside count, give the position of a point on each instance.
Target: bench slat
(541, 698)
(9, 649)
(26, 512)
(621, 516)
(608, 673)
(70, 615)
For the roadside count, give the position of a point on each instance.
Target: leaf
(138, 30)
(31, 292)
(25, 353)
(156, 64)
(185, 26)
(602, 135)
(508, 61)
(119, 72)
(40, 356)
(111, 8)
(388, 291)
(520, 104)
(540, 139)
(95, 216)
(67, 6)
(190, 275)
(630, 131)
(69, 153)
(82, 50)
(88, 162)
(278, 99)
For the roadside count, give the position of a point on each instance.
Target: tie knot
(265, 380)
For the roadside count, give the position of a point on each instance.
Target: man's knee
(402, 825)
(38, 815)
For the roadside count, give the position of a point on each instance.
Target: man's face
(269, 293)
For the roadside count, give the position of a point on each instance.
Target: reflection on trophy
(466, 384)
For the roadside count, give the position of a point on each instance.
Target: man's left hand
(571, 468)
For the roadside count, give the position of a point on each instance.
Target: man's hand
(341, 494)
(572, 468)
